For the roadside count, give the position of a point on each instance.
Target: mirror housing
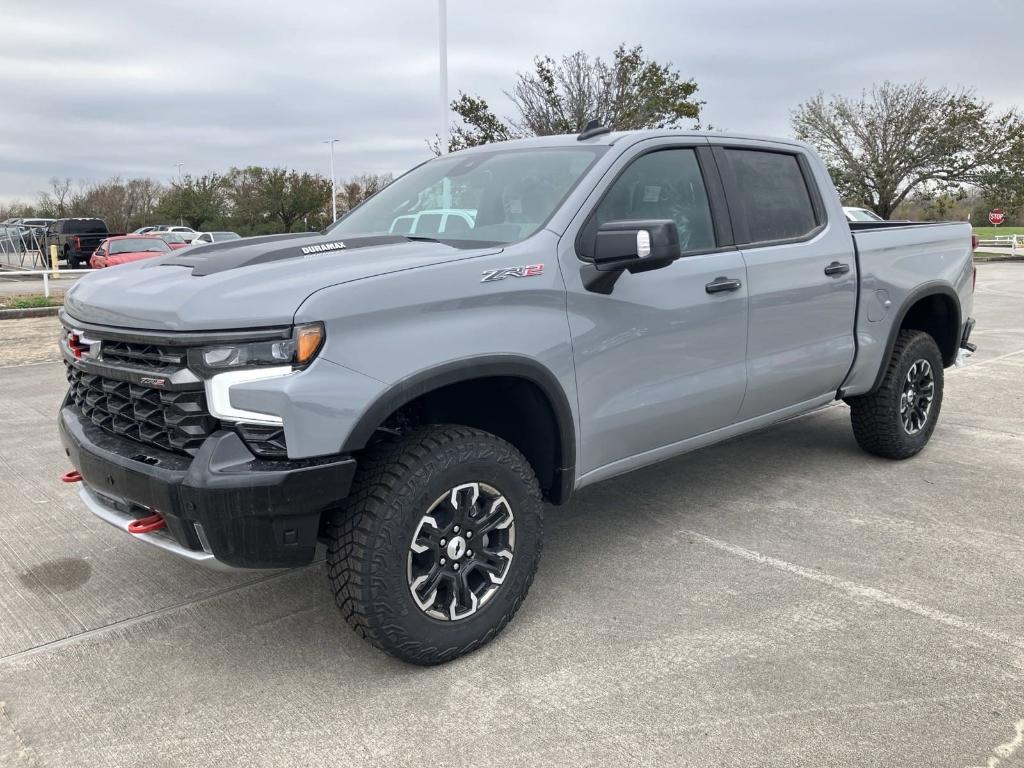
(637, 246)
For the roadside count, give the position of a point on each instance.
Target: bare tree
(352, 192)
(896, 140)
(630, 92)
(56, 202)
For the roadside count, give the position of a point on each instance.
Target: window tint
(85, 227)
(773, 194)
(661, 185)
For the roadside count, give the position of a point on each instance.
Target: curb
(983, 257)
(18, 314)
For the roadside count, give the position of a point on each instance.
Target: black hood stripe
(235, 254)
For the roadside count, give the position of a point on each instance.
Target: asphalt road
(779, 600)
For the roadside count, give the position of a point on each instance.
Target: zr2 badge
(530, 270)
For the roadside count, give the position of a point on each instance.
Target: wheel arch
(474, 377)
(933, 308)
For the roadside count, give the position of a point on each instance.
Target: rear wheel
(897, 420)
(71, 259)
(438, 543)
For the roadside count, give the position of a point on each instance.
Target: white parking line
(860, 591)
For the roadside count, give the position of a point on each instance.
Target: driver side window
(665, 184)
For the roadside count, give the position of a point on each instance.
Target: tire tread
(876, 427)
(353, 563)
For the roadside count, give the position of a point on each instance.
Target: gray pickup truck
(565, 309)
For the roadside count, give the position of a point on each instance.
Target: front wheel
(437, 544)
(897, 419)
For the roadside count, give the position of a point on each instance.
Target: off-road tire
(369, 539)
(877, 424)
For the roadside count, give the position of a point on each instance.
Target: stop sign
(996, 217)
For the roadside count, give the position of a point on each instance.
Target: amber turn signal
(308, 339)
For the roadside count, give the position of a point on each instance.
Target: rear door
(661, 357)
(801, 276)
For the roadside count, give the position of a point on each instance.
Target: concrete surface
(779, 600)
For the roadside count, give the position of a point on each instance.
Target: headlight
(297, 351)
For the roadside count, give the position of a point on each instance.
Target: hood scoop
(221, 257)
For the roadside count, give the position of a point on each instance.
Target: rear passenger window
(773, 193)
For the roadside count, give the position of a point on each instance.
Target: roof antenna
(592, 129)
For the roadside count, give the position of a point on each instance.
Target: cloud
(125, 88)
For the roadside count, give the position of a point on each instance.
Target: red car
(121, 250)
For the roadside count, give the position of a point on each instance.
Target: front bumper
(224, 507)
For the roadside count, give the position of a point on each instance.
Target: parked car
(621, 299)
(12, 238)
(174, 239)
(861, 214)
(186, 232)
(76, 239)
(214, 237)
(126, 248)
(432, 222)
(143, 230)
(22, 234)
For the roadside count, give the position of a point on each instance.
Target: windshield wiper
(424, 239)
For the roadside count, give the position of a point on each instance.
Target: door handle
(836, 268)
(722, 285)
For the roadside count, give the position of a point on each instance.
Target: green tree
(288, 196)
(898, 140)
(630, 92)
(196, 200)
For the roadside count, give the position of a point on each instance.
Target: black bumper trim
(254, 513)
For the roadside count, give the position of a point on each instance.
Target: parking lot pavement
(781, 599)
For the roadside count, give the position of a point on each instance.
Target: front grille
(172, 420)
(146, 356)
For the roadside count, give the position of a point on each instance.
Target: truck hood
(249, 283)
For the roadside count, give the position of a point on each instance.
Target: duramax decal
(336, 246)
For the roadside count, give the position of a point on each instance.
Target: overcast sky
(131, 87)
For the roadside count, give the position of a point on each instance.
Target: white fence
(49, 276)
(1014, 242)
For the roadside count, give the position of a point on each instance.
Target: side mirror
(636, 246)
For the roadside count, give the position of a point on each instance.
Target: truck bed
(896, 260)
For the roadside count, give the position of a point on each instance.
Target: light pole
(334, 190)
(442, 44)
(181, 219)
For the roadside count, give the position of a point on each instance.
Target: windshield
(861, 214)
(496, 197)
(138, 245)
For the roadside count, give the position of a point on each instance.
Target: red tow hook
(148, 524)
(74, 476)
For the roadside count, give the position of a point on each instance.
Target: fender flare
(420, 383)
(934, 288)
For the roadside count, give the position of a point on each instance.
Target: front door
(660, 358)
